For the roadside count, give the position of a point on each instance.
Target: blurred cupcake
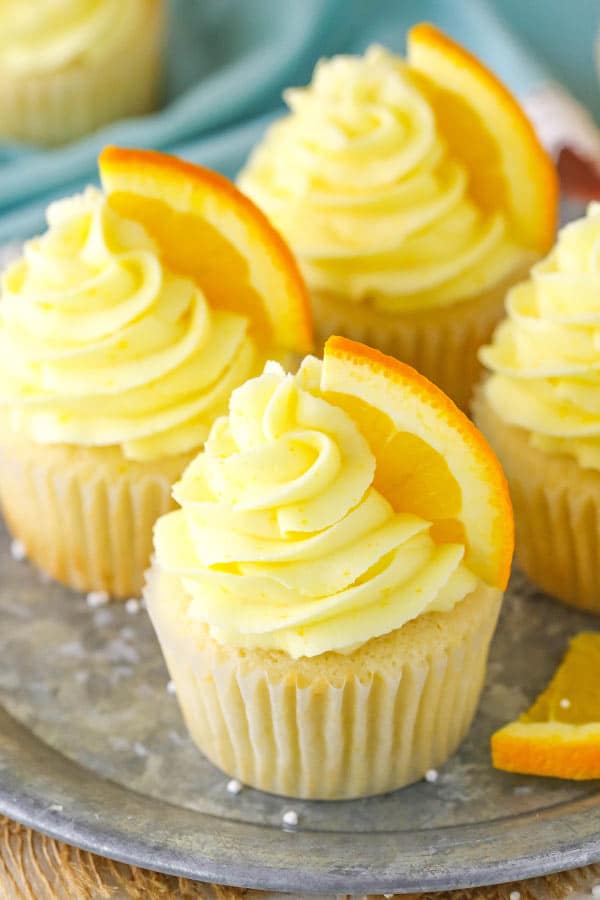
(413, 194)
(68, 67)
(540, 410)
(123, 331)
(326, 595)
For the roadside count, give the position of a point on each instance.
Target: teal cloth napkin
(229, 60)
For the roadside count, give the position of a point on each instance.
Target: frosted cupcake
(540, 409)
(326, 594)
(413, 193)
(68, 67)
(123, 330)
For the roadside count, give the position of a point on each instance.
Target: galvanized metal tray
(93, 751)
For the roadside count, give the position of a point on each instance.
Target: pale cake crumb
(132, 606)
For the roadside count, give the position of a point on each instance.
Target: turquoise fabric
(229, 60)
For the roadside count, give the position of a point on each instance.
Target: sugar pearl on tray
(432, 775)
(97, 598)
(290, 818)
(132, 606)
(234, 786)
(17, 550)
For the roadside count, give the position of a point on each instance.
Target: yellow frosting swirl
(47, 34)
(546, 355)
(283, 542)
(101, 345)
(360, 182)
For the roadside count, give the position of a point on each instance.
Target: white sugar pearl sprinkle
(132, 606)
(514, 895)
(432, 775)
(97, 598)
(17, 550)
(171, 689)
(290, 818)
(564, 703)
(387, 896)
(234, 786)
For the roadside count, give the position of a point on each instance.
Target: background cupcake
(68, 67)
(326, 595)
(413, 193)
(540, 409)
(123, 331)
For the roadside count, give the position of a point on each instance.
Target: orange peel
(485, 128)
(207, 230)
(559, 736)
(430, 457)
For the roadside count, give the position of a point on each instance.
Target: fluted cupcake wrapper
(557, 513)
(55, 107)
(326, 736)
(441, 343)
(85, 515)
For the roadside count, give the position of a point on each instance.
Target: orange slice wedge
(209, 231)
(559, 736)
(431, 460)
(485, 127)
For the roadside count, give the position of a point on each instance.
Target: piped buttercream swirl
(283, 542)
(100, 344)
(545, 356)
(48, 34)
(360, 182)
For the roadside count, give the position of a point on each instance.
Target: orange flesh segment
(410, 475)
(559, 736)
(487, 130)
(207, 230)
(431, 460)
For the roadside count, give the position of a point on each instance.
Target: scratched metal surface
(93, 750)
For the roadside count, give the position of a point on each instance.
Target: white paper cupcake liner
(331, 727)
(85, 515)
(557, 513)
(441, 343)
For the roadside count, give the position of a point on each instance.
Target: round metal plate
(93, 751)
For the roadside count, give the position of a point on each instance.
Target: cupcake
(414, 193)
(326, 594)
(540, 410)
(69, 67)
(123, 330)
